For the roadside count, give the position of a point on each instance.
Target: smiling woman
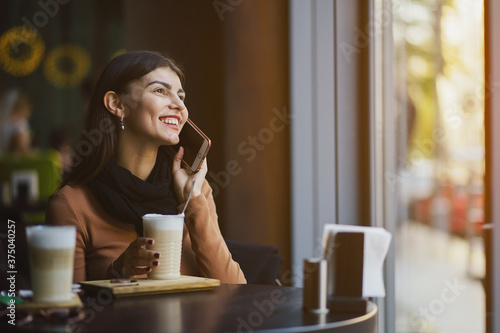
(153, 114)
(130, 173)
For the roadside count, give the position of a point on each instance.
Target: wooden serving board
(137, 287)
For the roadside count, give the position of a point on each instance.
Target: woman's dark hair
(98, 139)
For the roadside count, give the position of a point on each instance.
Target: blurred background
(236, 66)
(321, 111)
(440, 95)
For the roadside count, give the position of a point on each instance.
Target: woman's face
(154, 108)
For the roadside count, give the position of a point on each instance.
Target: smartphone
(196, 145)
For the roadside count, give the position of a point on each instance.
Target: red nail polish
(157, 255)
(155, 263)
(150, 241)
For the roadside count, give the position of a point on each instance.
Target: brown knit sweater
(101, 238)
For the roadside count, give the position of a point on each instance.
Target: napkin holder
(345, 255)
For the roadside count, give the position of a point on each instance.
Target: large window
(438, 73)
(414, 71)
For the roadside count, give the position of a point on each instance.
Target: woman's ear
(113, 103)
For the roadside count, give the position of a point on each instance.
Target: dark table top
(227, 308)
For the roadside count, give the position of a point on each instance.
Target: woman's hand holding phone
(183, 177)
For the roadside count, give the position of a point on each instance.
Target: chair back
(260, 263)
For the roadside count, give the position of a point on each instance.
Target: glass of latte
(51, 254)
(166, 230)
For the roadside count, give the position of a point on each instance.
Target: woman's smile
(171, 121)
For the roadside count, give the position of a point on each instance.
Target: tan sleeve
(207, 243)
(60, 211)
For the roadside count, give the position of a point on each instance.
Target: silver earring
(123, 125)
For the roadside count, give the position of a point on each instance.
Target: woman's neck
(136, 159)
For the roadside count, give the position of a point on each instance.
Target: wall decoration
(66, 65)
(21, 51)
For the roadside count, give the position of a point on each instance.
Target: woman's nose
(177, 104)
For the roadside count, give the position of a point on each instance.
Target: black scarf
(128, 198)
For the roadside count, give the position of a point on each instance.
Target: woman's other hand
(183, 177)
(136, 260)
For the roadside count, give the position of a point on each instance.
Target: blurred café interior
(359, 112)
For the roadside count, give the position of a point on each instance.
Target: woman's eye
(182, 97)
(160, 90)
